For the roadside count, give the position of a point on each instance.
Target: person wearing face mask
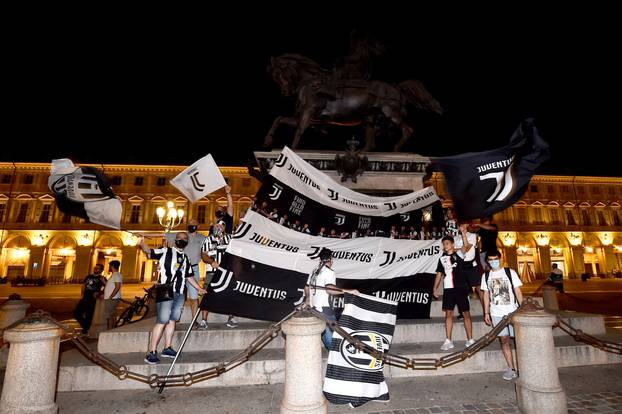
(174, 271)
(193, 251)
(502, 296)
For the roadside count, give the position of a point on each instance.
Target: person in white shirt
(503, 297)
(112, 292)
(472, 269)
(321, 284)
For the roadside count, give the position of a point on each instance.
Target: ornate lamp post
(169, 218)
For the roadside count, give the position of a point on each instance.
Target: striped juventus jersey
(173, 267)
(215, 248)
(452, 268)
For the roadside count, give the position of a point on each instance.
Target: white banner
(360, 258)
(301, 176)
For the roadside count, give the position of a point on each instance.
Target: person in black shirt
(456, 289)
(91, 290)
(488, 233)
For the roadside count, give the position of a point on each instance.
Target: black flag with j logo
(483, 183)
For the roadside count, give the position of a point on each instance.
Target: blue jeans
(171, 309)
(327, 335)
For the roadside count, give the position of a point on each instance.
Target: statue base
(385, 174)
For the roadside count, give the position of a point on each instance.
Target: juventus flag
(265, 268)
(200, 179)
(354, 377)
(84, 192)
(484, 183)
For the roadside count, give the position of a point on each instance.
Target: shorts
(456, 297)
(508, 330)
(191, 292)
(473, 276)
(110, 307)
(170, 310)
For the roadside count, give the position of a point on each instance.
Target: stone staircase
(413, 338)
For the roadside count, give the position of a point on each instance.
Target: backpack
(509, 275)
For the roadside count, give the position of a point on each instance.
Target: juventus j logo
(333, 194)
(340, 219)
(405, 217)
(505, 183)
(274, 195)
(194, 178)
(315, 253)
(389, 259)
(223, 278)
(242, 230)
(280, 162)
(392, 206)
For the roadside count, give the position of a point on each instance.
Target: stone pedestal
(538, 389)
(99, 319)
(549, 298)
(12, 311)
(303, 367)
(30, 379)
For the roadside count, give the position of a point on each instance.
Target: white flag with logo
(354, 377)
(200, 179)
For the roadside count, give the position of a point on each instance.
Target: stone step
(76, 373)
(135, 337)
(435, 311)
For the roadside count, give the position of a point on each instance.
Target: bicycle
(136, 311)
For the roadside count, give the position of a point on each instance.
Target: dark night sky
(109, 91)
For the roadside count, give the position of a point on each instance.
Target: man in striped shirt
(174, 270)
(212, 251)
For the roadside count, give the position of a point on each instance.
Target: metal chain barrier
(187, 379)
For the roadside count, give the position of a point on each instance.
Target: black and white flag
(265, 268)
(200, 179)
(302, 177)
(84, 192)
(354, 377)
(484, 183)
(292, 206)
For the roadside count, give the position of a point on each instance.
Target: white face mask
(495, 263)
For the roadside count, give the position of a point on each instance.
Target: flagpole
(181, 347)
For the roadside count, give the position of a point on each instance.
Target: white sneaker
(231, 323)
(509, 374)
(469, 343)
(447, 345)
(203, 325)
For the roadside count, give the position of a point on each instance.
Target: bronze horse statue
(324, 97)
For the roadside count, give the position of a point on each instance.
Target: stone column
(99, 319)
(610, 261)
(511, 258)
(129, 264)
(82, 263)
(549, 297)
(303, 367)
(544, 252)
(538, 389)
(577, 260)
(30, 379)
(36, 256)
(12, 311)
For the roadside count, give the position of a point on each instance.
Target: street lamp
(169, 218)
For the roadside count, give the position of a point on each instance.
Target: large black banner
(254, 290)
(266, 266)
